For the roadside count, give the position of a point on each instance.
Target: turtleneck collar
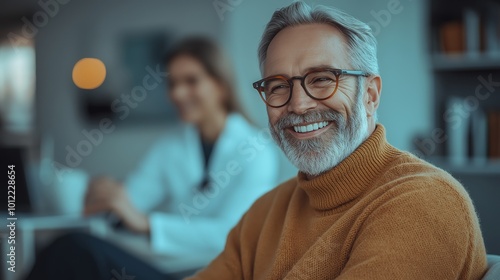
(352, 176)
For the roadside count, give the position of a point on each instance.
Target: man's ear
(373, 90)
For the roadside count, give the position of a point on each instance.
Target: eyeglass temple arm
(355, 73)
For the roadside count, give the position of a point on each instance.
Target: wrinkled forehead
(295, 49)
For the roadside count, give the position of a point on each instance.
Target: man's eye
(279, 88)
(322, 79)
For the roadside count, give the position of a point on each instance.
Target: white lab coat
(242, 167)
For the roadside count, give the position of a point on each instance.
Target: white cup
(66, 193)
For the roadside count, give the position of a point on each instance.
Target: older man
(359, 208)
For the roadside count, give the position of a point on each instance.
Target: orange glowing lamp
(89, 73)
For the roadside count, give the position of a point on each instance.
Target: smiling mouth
(310, 127)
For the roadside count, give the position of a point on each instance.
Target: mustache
(292, 119)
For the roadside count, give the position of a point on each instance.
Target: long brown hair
(215, 62)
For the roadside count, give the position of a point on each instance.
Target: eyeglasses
(319, 84)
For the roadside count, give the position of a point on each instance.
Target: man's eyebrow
(321, 66)
(308, 69)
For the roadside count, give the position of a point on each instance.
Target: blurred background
(439, 60)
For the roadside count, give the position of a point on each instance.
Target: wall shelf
(465, 62)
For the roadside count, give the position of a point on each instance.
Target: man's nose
(300, 102)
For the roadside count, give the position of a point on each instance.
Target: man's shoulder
(412, 190)
(410, 175)
(407, 167)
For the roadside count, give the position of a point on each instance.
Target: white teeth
(310, 127)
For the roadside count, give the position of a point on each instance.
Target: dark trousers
(80, 256)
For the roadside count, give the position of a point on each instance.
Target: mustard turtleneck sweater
(379, 214)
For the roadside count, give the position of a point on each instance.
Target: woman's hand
(107, 195)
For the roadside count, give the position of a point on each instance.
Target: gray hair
(361, 43)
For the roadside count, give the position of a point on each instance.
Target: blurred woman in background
(189, 191)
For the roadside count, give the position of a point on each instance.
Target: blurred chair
(493, 272)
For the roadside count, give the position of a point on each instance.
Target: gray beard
(322, 153)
